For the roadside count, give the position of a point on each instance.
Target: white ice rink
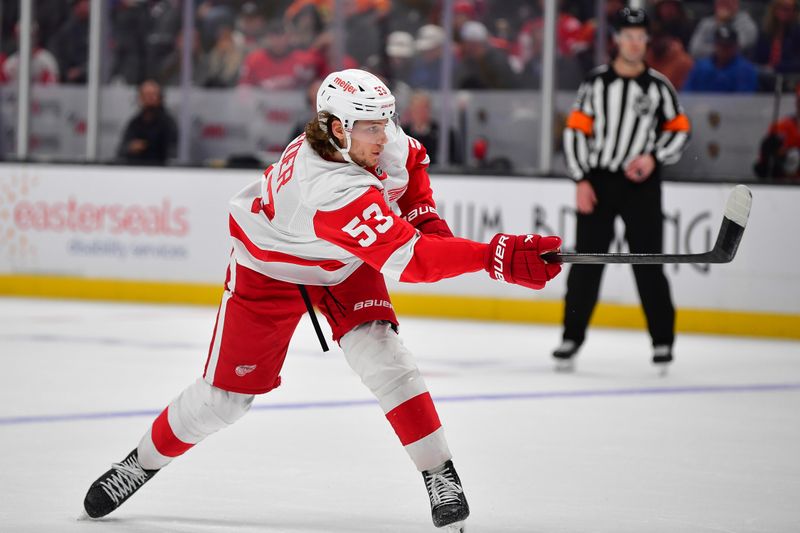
(713, 447)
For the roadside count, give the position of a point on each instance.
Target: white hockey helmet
(351, 95)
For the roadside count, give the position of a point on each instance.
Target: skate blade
(84, 516)
(455, 527)
(565, 365)
(663, 370)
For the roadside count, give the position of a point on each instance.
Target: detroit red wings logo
(243, 370)
(394, 194)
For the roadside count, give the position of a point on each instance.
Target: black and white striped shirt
(615, 119)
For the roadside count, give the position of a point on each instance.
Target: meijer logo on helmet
(346, 85)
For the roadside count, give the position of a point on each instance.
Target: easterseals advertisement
(123, 223)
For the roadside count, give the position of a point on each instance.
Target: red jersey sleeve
(368, 229)
(417, 205)
(419, 183)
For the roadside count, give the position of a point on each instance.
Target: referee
(626, 123)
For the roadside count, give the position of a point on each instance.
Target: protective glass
(375, 131)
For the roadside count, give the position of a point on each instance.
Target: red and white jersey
(314, 221)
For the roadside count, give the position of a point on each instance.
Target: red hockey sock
(164, 438)
(414, 419)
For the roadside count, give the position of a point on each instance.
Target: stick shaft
(313, 317)
(633, 259)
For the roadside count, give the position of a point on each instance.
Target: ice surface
(713, 447)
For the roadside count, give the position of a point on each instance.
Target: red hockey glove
(425, 218)
(517, 259)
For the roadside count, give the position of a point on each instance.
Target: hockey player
(324, 218)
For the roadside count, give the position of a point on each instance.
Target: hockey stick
(313, 315)
(737, 211)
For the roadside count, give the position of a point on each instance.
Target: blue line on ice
(531, 395)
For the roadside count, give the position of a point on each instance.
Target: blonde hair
(318, 136)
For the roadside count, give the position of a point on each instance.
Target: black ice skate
(565, 354)
(449, 506)
(111, 489)
(662, 357)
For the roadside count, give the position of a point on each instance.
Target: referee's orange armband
(580, 121)
(679, 123)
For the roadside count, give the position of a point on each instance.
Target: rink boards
(154, 234)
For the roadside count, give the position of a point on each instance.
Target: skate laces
(442, 487)
(128, 476)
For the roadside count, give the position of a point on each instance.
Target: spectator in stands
(482, 66)
(667, 55)
(426, 70)
(169, 72)
(779, 156)
(308, 33)
(591, 26)
(571, 35)
(311, 100)
(163, 25)
(150, 137)
(210, 16)
(779, 44)
(44, 67)
(305, 26)
(130, 22)
(421, 125)
(583, 9)
(70, 44)
(726, 71)
(275, 66)
(670, 18)
(251, 26)
(10, 16)
(526, 59)
(503, 32)
(726, 12)
(224, 60)
(572, 38)
(363, 35)
(49, 15)
(464, 11)
(408, 15)
(400, 56)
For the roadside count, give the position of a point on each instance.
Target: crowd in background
(719, 45)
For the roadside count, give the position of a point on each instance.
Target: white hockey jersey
(314, 221)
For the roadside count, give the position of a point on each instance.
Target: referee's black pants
(639, 205)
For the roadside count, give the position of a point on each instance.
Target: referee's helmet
(631, 17)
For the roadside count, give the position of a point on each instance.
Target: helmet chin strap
(346, 150)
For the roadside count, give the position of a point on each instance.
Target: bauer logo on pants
(372, 303)
(243, 370)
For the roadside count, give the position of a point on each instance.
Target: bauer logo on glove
(517, 259)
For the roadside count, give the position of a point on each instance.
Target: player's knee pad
(377, 354)
(203, 409)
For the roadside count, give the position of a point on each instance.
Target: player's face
(367, 139)
(632, 43)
